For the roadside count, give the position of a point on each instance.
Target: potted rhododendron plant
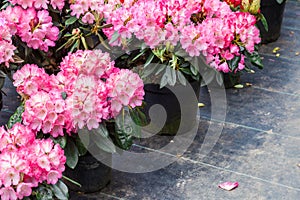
(68, 89)
(168, 38)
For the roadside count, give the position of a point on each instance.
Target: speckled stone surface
(259, 145)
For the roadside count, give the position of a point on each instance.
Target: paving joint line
(220, 168)
(276, 91)
(249, 127)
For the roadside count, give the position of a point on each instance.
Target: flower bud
(75, 31)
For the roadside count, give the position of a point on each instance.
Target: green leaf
(186, 71)
(75, 45)
(125, 130)
(181, 78)
(149, 60)
(160, 69)
(72, 181)
(70, 21)
(138, 116)
(164, 80)
(234, 63)
(64, 95)
(100, 137)
(194, 70)
(43, 193)
(84, 136)
(84, 43)
(149, 70)
(60, 190)
(71, 152)
(208, 76)
(263, 21)
(61, 140)
(82, 150)
(181, 53)
(114, 37)
(16, 117)
(280, 1)
(219, 78)
(172, 80)
(256, 60)
(139, 55)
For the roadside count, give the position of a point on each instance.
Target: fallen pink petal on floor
(229, 185)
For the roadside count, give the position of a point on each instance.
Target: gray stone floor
(258, 147)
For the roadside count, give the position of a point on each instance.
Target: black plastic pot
(273, 12)
(168, 100)
(92, 174)
(231, 79)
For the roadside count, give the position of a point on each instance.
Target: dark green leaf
(234, 63)
(181, 53)
(60, 190)
(75, 45)
(194, 70)
(82, 148)
(172, 76)
(160, 69)
(186, 71)
(149, 60)
(280, 1)
(263, 21)
(138, 116)
(44, 193)
(125, 130)
(139, 55)
(70, 21)
(64, 95)
(185, 64)
(256, 60)
(71, 152)
(16, 117)
(164, 80)
(149, 70)
(101, 138)
(61, 140)
(208, 76)
(219, 78)
(181, 78)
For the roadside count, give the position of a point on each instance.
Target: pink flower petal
(229, 185)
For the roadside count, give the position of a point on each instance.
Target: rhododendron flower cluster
(203, 27)
(6, 46)
(87, 90)
(25, 162)
(34, 27)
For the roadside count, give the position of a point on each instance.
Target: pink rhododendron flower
(28, 163)
(125, 88)
(229, 185)
(88, 18)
